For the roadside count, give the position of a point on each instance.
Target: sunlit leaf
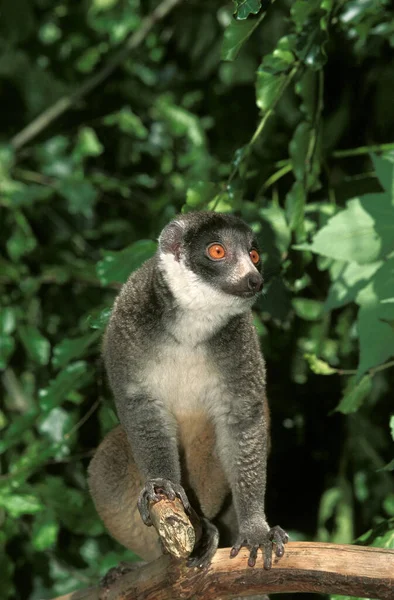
(363, 232)
(45, 531)
(20, 504)
(318, 366)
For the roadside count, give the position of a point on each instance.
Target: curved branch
(305, 567)
(63, 104)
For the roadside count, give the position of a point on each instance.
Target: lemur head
(211, 259)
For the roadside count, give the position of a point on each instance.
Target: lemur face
(215, 250)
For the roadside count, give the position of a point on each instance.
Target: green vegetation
(282, 113)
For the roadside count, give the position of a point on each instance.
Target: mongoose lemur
(185, 366)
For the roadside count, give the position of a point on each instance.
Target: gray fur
(180, 342)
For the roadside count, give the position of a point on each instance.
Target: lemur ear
(170, 239)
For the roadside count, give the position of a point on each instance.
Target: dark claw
(279, 538)
(252, 556)
(235, 550)
(275, 536)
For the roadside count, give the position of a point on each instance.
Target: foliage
(278, 111)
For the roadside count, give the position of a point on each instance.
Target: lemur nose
(255, 282)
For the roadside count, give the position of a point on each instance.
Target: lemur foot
(152, 492)
(207, 546)
(265, 540)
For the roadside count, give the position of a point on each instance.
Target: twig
(63, 104)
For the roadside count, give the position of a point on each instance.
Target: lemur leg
(115, 484)
(202, 472)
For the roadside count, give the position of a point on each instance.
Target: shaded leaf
(355, 394)
(235, 35)
(127, 122)
(70, 349)
(22, 240)
(71, 378)
(37, 346)
(244, 8)
(117, 266)
(384, 167)
(101, 320)
(80, 194)
(272, 74)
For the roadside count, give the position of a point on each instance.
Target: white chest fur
(183, 379)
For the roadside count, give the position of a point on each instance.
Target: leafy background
(281, 112)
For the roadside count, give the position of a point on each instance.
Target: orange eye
(254, 256)
(216, 251)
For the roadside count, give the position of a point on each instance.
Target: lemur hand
(260, 536)
(151, 493)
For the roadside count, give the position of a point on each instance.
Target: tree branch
(63, 104)
(305, 567)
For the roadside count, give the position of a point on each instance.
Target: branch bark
(63, 104)
(305, 567)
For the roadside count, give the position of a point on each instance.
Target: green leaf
(275, 216)
(384, 167)
(363, 232)
(392, 426)
(272, 74)
(355, 395)
(100, 320)
(127, 122)
(20, 504)
(244, 8)
(45, 531)
(71, 378)
(70, 349)
(87, 144)
(36, 345)
(117, 266)
(200, 194)
(295, 209)
(307, 309)
(22, 240)
(235, 35)
(80, 194)
(72, 507)
(348, 279)
(56, 424)
(318, 366)
(7, 347)
(375, 332)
